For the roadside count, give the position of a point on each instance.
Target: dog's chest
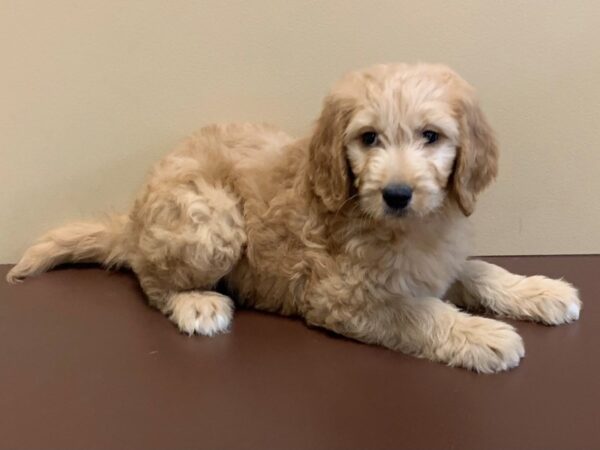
(412, 271)
(417, 266)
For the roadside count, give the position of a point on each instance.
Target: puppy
(361, 228)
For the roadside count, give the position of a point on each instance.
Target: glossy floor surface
(85, 363)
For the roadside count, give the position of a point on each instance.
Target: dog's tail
(103, 241)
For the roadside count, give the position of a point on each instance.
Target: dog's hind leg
(190, 236)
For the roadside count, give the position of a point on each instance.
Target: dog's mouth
(396, 213)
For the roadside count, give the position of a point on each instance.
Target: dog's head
(401, 140)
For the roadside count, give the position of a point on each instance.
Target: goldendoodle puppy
(361, 228)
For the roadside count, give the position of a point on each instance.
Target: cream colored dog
(360, 228)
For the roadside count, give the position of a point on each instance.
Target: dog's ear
(476, 162)
(328, 164)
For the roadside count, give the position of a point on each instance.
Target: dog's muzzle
(397, 196)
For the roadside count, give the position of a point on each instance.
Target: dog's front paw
(483, 345)
(206, 313)
(548, 301)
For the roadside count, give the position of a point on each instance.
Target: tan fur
(477, 159)
(299, 226)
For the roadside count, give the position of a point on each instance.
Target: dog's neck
(349, 224)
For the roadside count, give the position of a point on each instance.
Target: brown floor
(84, 363)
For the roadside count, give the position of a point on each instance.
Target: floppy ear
(328, 165)
(476, 162)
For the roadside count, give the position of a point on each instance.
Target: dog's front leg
(425, 327)
(537, 298)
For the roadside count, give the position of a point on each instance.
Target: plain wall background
(91, 93)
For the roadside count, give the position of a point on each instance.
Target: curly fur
(299, 226)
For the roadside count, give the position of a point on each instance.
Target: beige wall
(93, 92)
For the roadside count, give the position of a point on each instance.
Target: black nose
(397, 196)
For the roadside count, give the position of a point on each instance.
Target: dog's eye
(369, 138)
(430, 136)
